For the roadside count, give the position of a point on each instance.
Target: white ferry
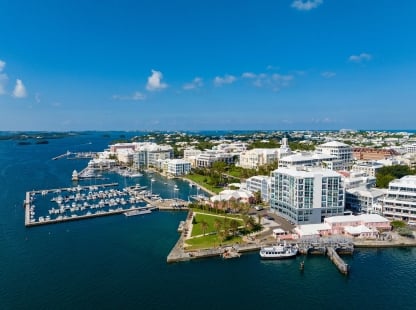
(280, 251)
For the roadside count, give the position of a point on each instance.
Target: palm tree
(216, 205)
(234, 226)
(217, 225)
(204, 226)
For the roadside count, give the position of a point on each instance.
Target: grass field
(210, 241)
(197, 228)
(203, 180)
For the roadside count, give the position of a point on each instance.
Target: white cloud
(248, 75)
(134, 97)
(19, 90)
(2, 65)
(227, 79)
(154, 82)
(307, 5)
(328, 74)
(273, 81)
(196, 83)
(360, 58)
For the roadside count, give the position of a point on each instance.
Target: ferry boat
(137, 212)
(280, 251)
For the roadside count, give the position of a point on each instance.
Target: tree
(217, 225)
(234, 226)
(257, 197)
(388, 173)
(204, 226)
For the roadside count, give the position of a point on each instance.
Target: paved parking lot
(272, 217)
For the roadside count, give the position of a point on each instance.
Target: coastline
(184, 178)
(179, 253)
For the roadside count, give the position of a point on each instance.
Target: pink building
(360, 226)
(364, 225)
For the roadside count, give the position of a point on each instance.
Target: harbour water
(119, 262)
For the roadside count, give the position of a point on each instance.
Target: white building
(125, 155)
(410, 148)
(178, 167)
(191, 153)
(254, 158)
(260, 183)
(355, 179)
(307, 159)
(341, 151)
(400, 201)
(148, 154)
(207, 158)
(101, 164)
(370, 168)
(363, 199)
(233, 147)
(306, 196)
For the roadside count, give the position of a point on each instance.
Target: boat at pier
(137, 212)
(280, 251)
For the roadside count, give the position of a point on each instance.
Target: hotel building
(400, 201)
(308, 195)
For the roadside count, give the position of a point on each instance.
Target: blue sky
(194, 65)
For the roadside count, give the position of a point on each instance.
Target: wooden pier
(87, 216)
(76, 155)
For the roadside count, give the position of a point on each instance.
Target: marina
(53, 206)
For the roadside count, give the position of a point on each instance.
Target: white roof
(311, 229)
(278, 231)
(307, 157)
(355, 230)
(365, 218)
(372, 218)
(334, 144)
(308, 172)
(228, 194)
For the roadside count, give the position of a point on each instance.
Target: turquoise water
(119, 262)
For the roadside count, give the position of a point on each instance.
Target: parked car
(258, 208)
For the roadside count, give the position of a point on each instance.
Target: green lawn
(199, 179)
(209, 241)
(210, 220)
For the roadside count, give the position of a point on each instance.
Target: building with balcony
(400, 201)
(259, 183)
(306, 195)
(342, 152)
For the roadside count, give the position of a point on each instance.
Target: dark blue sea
(119, 262)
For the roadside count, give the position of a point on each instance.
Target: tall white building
(307, 159)
(148, 154)
(343, 152)
(308, 195)
(400, 202)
